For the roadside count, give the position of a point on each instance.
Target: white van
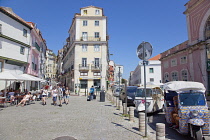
(154, 99)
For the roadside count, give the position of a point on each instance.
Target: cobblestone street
(80, 119)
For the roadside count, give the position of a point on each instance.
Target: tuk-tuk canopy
(183, 86)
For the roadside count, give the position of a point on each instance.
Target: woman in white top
(44, 95)
(25, 98)
(54, 94)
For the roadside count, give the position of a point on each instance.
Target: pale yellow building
(85, 61)
(51, 66)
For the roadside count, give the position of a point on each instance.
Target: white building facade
(14, 43)
(153, 72)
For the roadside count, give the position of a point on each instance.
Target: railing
(95, 67)
(83, 67)
(90, 38)
(37, 47)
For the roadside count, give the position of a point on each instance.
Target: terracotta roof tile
(157, 57)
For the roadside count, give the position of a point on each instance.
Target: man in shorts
(60, 95)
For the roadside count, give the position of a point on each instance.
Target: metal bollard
(142, 122)
(131, 113)
(120, 105)
(160, 131)
(124, 108)
(116, 102)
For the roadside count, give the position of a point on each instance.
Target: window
(151, 79)
(1, 64)
(34, 63)
(85, 12)
(96, 34)
(174, 76)
(97, 11)
(96, 74)
(96, 62)
(165, 64)
(84, 62)
(151, 70)
(84, 74)
(84, 36)
(25, 32)
(184, 75)
(84, 47)
(207, 29)
(84, 84)
(22, 50)
(173, 62)
(96, 47)
(85, 22)
(97, 23)
(166, 77)
(183, 60)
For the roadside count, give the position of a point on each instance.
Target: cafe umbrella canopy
(9, 76)
(32, 78)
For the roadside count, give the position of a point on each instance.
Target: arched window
(207, 29)
(184, 75)
(174, 76)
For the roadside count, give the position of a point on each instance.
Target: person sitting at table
(11, 95)
(2, 93)
(25, 98)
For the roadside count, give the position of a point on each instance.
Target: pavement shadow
(116, 124)
(108, 105)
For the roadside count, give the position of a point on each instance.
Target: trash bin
(102, 96)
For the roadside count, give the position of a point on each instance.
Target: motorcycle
(193, 114)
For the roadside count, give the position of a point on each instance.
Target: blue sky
(160, 22)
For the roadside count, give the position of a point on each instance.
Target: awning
(7, 75)
(31, 78)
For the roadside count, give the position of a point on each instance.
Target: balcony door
(96, 62)
(84, 36)
(84, 62)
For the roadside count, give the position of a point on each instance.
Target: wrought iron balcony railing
(90, 38)
(84, 67)
(96, 67)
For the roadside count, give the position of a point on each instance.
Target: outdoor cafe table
(2, 100)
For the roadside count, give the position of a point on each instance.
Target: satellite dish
(144, 51)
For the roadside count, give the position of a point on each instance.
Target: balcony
(90, 38)
(83, 67)
(37, 47)
(96, 67)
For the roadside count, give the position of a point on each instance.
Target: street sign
(144, 51)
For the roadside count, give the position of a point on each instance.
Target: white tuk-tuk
(154, 99)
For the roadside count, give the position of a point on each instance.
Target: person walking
(91, 92)
(60, 95)
(54, 95)
(67, 95)
(64, 94)
(44, 95)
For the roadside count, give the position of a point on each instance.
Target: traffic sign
(144, 51)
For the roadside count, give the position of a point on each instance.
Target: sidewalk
(81, 119)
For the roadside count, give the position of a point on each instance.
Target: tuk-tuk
(154, 99)
(193, 114)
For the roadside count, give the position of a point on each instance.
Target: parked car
(131, 91)
(117, 91)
